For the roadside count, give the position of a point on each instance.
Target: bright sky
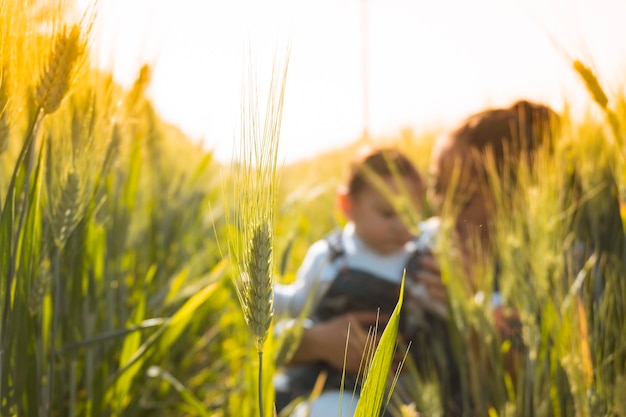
(428, 62)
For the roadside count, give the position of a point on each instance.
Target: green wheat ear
(254, 172)
(258, 309)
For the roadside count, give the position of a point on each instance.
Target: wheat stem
(12, 204)
(53, 331)
(260, 386)
(5, 126)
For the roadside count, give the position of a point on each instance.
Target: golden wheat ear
(57, 76)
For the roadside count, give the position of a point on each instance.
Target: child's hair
(385, 162)
(512, 135)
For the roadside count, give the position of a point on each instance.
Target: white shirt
(317, 273)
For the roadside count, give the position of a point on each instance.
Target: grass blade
(373, 392)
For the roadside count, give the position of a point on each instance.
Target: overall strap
(335, 245)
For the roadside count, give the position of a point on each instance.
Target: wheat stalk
(5, 127)
(254, 173)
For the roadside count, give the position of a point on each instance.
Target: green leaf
(187, 395)
(373, 392)
(186, 313)
(132, 342)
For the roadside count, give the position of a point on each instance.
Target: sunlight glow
(430, 63)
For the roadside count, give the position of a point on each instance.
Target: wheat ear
(258, 308)
(599, 95)
(66, 213)
(57, 76)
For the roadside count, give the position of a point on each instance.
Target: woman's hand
(428, 274)
(426, 288)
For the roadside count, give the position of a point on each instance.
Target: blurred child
(351, 276)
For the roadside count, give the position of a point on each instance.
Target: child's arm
(326, 341)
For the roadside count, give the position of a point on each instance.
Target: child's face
(375, 220)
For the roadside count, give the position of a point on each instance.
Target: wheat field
(134, 282)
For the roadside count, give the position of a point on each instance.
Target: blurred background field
(116, 297)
